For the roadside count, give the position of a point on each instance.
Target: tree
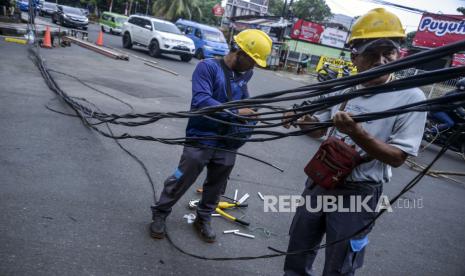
(175, 9)
(275, 7)
(311, 10)
(206, 15)
(461, 9)
(119, 6)
(409, 39)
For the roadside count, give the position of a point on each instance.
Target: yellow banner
(337, 64)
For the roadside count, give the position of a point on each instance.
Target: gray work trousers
(193, 160)
(308, 228)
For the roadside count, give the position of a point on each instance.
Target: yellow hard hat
(255, 43)
(377, 23)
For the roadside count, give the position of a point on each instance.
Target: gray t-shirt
(403, 131)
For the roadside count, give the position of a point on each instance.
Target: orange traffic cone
(100, 39)
(47, 38)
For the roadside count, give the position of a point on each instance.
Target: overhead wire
(398, 6)
(415, 10)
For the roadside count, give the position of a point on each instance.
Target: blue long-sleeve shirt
(209, 89)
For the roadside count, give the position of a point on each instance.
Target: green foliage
(311, 10)
(275, 7)
(207, 14)
(461, 9)
(99, 6)
(175, 9)
(196, 10)
(409, 39)
(74, 3)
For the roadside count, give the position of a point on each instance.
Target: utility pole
(147, 9)
(348, 35)
(289, 10)
(283, 13)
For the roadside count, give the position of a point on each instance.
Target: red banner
(404, 52)
(458, 60)
(307, 31)
(436, 30)
(218, 10)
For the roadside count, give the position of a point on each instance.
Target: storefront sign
(436, 30)
(218, 10)
(333, 37)
(307, 31)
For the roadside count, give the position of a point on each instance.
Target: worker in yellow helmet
(214, 81)
(379, 145)
(378, 30)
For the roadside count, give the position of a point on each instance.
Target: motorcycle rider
(448, 119)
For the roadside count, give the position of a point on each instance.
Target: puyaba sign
(437, 30)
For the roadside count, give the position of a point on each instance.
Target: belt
(365, 186)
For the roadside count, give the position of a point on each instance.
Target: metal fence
(433, 90)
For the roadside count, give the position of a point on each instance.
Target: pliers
(219, 209)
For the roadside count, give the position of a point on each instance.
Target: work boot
(205, 230)
(157, 227)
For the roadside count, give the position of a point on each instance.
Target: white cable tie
(235, 195)
(244, 235)
(190, 218)
(230, 231)
(261, 196)
(243, 199)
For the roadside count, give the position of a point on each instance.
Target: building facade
(235, 8)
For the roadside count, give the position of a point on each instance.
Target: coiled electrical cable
(447, 102)
(316, 89)
(319, 103)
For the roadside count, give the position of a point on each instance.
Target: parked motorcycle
(326, 73)
(440, 138)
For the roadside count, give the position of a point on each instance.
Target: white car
(158, 36)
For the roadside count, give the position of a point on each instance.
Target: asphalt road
(72, 202)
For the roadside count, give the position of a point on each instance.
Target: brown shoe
(157, 227)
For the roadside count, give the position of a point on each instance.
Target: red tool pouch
(332, 163)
